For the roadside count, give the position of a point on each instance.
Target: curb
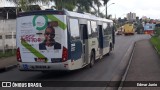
(155, 49)
(7, 68)
(121, 69)
(128, 66)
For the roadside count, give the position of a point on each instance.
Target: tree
(157, 30)
(101, 15)
(119, 19)
(125, 19)
(67, 4)
(98, 4)
(59, 4)
(105, 2)
(137, 18)
(23, 4)
(84, 5)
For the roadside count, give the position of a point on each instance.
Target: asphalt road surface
(103, 69)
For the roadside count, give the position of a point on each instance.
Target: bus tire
(92, 59)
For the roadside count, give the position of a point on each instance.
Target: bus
(129, 29)
(149, 28)
(61, 40)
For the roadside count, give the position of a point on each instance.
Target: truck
(129, 29)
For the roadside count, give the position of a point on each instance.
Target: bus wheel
(92, 59)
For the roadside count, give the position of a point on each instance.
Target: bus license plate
(40, 59)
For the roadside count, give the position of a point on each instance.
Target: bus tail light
(64, 54)
(18, 55)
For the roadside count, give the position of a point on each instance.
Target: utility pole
(3, 37)
(106, 11)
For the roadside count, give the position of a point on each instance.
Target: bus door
(76, 43)
(113, 35)
(100, 39)
(84, 37)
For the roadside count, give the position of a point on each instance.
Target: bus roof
(65, 12)
(86, 16)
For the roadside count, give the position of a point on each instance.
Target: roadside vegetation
(7, 53)
(155, 40)
(89, 6)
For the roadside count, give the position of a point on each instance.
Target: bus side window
(83, 29)
(105, 28)
(109, 28)
(89, 30)
(94, 29)
(74, 29)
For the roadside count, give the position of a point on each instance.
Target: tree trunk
(98, 11)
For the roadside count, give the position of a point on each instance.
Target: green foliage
(59, 4)
(23, 4)
(67, 4)
(81, 5)
(115, 27)
(157, 31)
(156, 42)
(7, 53)
(84, 5)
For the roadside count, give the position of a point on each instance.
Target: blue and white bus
(61, 40)
(149, 28)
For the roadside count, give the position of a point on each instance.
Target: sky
(148, 8)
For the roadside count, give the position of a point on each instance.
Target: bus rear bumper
(42, 66)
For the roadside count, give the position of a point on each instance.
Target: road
(103, 70)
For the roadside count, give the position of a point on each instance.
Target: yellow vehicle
(129, 29)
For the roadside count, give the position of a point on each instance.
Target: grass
(7, 53)
(156, 42)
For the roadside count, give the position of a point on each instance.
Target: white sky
(140, 7)
(122, 7)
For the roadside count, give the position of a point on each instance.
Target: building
(149, 28)
(144, 18)
(8, 26)
(131, 16)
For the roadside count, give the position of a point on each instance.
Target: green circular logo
(40, 25)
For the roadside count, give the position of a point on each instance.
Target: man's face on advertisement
(49, 34)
